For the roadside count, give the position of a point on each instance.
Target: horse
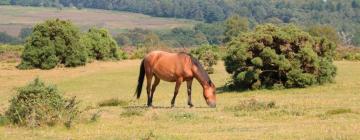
(174, 67)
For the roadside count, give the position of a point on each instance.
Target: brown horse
(174, 67)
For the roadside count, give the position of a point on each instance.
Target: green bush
(51, 43)
(272, 56)
(100, 45)
(38, 104)
(207, 55)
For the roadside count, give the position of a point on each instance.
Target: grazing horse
(174, 67)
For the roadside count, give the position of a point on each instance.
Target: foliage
(234, 26)
(10, 53)
(7, 39)
(11, 48)
(51, 43)
(272, 56)
(213, 32)
(348, 53)
(99, 44)
(38, 104)
(326, 31)
(341, 14)
(184, 37)
(25, 32)
(207, 55)
(356, 39)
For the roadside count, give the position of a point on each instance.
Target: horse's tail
(140, 80)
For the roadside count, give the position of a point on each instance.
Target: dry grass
(322, 112)
(13, 18)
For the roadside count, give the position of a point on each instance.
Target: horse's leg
(177, 86)
(148, 88)
(189, 84)
(153, 88)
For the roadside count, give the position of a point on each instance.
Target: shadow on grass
(225, 89)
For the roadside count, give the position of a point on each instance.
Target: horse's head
(210, 95)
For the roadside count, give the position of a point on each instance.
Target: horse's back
(169, 66)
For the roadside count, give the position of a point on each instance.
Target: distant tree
(214, 32)
(4, 2)
(151, 39)
(25, 32)
(122, 40)
(185, 37)
(7, 39)
(356, 39)
(234, 26)
(326, 31)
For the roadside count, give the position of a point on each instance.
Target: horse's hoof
(191, 106)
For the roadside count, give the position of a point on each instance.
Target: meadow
(325, 112)
(14, 18)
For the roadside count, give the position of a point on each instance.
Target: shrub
(272, 56)
(51, 43)
(8, 39)
(38, 104)
(100, 45)
(207, 55)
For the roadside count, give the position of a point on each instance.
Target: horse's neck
(200, 77)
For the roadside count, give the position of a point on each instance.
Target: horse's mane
(202, 71)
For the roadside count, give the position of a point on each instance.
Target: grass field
(324, 112)
(13, 18)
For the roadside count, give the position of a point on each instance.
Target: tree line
(344, 15)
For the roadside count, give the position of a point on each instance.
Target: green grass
(330, 111)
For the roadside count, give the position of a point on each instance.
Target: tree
(356, 39)
(51, 43)
(234, 26)
(7, 39)
(25, 32)
(273, 56)
(326, 31)
(214, 32)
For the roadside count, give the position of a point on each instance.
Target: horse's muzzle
(212, 104)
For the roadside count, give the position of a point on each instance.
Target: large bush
(51, 43)
(274, 56)
(207, 55)
(38, 104)
(100, 45)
